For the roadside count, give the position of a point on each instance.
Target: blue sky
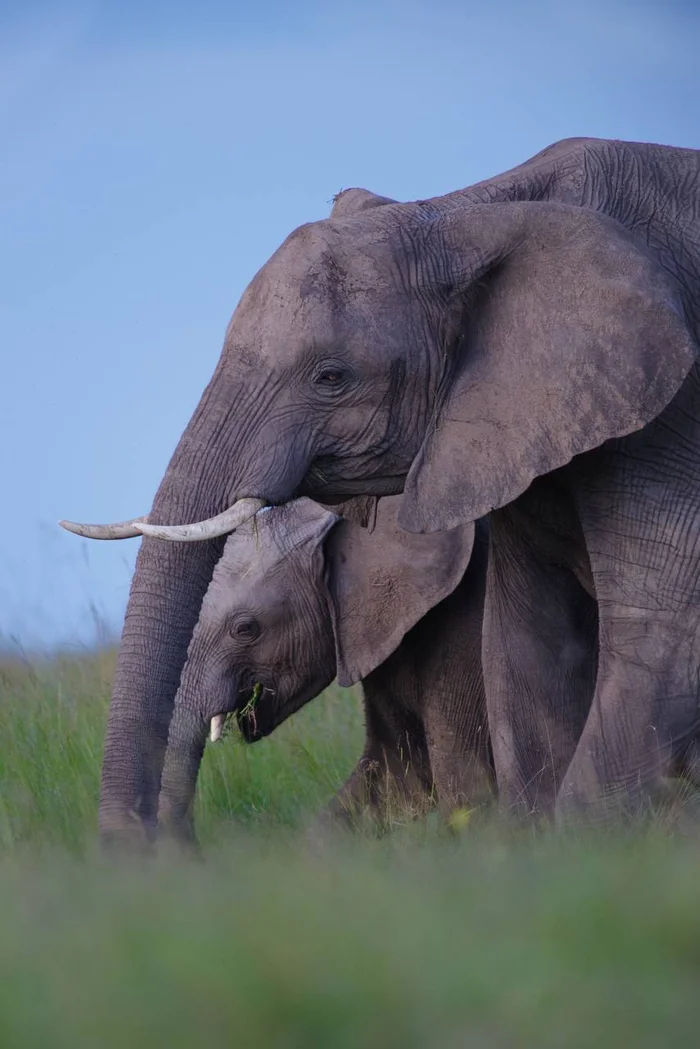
(154, 154)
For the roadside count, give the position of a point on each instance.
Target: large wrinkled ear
(352, 201)
(562, 332)
(381, 584)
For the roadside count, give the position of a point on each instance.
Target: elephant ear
(381, 584)
(561, 332)
(352, 201)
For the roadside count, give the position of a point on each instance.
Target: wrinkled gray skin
(300, 595)
(541, 326)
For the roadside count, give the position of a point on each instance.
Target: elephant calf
(301, 596)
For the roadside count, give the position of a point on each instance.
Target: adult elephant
(541, 327)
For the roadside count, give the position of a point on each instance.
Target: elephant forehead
(327, 262)
(240, 583)
(312, 291)
(275, 322)
(246, 554)
(250, 555)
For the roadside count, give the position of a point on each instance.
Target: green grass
(491, 938)
(52, 718)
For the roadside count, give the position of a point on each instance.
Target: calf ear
(353, 201)
(562, 332)
(381, 584)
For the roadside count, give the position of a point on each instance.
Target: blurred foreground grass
(487, 939)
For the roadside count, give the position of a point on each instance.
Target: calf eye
(246, 629)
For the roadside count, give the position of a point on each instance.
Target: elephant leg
(640, 512)
(644, 708)
(460, 761)
(363, 789)
(687, 765)
(539, 653)
(393, 771)
(452, 692)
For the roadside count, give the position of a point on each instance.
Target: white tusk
(217, 727)
(118, 530)
(231, 519)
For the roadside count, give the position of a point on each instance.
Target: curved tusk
(217, 727)
(118, 530)
(231, 519)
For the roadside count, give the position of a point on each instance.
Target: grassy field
(419, 938)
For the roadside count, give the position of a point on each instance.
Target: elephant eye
(331, 377)
(246, 629)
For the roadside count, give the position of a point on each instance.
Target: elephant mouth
(337, 490)
(249, 716)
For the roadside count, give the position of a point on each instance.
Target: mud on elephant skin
(301, 595)
(542, 324)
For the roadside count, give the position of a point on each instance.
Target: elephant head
(298, 597)
(446, 349)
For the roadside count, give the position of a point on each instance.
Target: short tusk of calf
(217, 727)
(118, 530)
(222, 524)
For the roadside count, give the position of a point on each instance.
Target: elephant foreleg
(639, 505)
(393, 773)
(539, 653)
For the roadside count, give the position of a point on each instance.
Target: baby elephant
(300, 596)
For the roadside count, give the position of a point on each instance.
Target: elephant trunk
(186, 743)
(166, 595)
(205, 688)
